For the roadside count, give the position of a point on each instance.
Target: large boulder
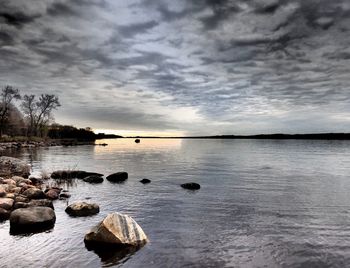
(118, 177)
(81, 209)
(93, 179)
(117, 229)
(34, 193)
(10, 166)
(191, 186)
(6, 203)
(32, 219)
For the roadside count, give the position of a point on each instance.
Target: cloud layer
(199, 66)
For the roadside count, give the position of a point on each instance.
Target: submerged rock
(72, 174)
(10, 166)
(145, 181)
(64, 195)
(191, 186)
(118, 177)
(117, 229)
(81, 209)
(93, 179)
(32, 219)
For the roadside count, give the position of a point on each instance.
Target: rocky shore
(26, 144)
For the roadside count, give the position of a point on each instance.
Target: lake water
(263, 203)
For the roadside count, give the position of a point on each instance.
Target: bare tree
(39, 112)
(8, 94)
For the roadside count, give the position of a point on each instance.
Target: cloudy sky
(185, 66)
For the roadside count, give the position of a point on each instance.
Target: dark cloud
(183, 65)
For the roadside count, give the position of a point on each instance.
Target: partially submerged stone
(82, 209)
(93, 179)
(145, 181)
(32, 219)
(118, 177)
(117, 229)
(191, 186)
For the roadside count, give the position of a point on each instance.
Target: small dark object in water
(191, 186)
(137, 140)
(93, 179)
(64, 195)
(103, 144)
(145, 181)
(118, 177)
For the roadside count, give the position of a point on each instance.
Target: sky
(185, 67)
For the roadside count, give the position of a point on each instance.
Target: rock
(32, 219)
(41, 203)
(93, 179)
(71, 174)
(117, 229)
(4, 214)
(10, 166)
(81, 209)
(10, 195)
(145, 181)
(21, 198)
(137, 141)
(2, 191)
(16, 190)
(118, 177)
(191, 186)
(64, 196)
(36, 180)
(9, 182)
(34, 193)
(52, 194)
(6, 203)
(20, 205)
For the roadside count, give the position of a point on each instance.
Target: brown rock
(4, 214)
(52, 194)
(6, 203)
(81, 209)
(34, 193)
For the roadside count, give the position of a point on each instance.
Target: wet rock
(4, 214)
(34, 193)
(52, 194)
(68, 174)
(191, 186)
(6, 203)
(117, 229)
(41, 203)
(93, 179)
(145, 181)
(81, 209)
(137, 141)
(36, 180)
(32, 219)
(118, 177)
(64, 195)
(10, 166)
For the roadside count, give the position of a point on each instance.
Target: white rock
(117, 229)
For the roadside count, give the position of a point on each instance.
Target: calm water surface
(262, 204)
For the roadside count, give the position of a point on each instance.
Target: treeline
(57, 131)
(31, 117)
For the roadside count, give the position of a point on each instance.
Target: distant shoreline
(316, 136)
